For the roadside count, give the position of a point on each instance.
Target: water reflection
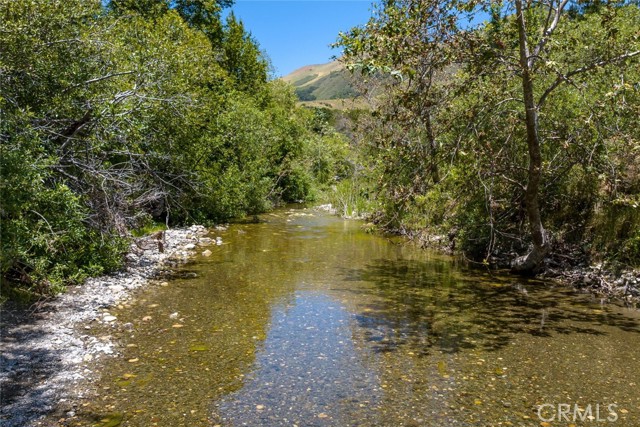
(424, 304)
(303, 319)
(309, 372)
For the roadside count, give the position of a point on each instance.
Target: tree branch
(567, 77)
(546, 35)
(525, 59)
(98, 79)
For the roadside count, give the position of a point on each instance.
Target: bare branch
(513, 181)
(546, 35)
(98, 79)
(51, 43)
(567, 77)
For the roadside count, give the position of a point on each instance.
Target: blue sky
(295, 33)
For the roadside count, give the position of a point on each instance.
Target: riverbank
(299, 309)
(49, 352)
(573, 270)
(51, 356)
(598, 279)
(569, 270)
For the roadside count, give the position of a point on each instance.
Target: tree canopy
(117, 116)
(524, 120)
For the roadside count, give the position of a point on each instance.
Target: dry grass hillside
(321, 82)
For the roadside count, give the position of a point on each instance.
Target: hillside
(321, 82)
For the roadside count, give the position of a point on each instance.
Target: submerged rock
(58, 329)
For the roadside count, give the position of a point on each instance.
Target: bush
(46, 241)
(170, 117)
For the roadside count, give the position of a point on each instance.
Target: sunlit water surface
(304, 319)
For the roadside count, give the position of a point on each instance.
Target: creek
(304, 319)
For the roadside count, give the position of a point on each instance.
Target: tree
(202, 15)
(242, 57)
(49, 63)
(536, 38)
(113, 117)
(146, 8)
(406, 51)
(544, 45)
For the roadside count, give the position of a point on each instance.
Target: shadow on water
(481, 311)
(305, 319)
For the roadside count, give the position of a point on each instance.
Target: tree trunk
(433, 146)
(533, 260)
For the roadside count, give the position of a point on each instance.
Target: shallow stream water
(303, 319)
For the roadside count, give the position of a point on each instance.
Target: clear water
(304, 319)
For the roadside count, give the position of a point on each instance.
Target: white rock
(207, 253)
(131, 257)
(173, 315)
(109, 318)
(190, 246)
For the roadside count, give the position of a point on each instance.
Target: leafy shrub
(116, 115)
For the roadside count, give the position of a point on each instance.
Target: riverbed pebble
(59, 330)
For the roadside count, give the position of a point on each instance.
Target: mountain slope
(321, 82)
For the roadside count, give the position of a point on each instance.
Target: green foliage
(146, 8)
(351, 197)
(446, 142)
(335, 85)
(242, 58)
(337, 169)
(149, 227)
(201, 15)
(116, 117)
(306, 93)
(304, 80)
(616, 231)
(45, 241)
